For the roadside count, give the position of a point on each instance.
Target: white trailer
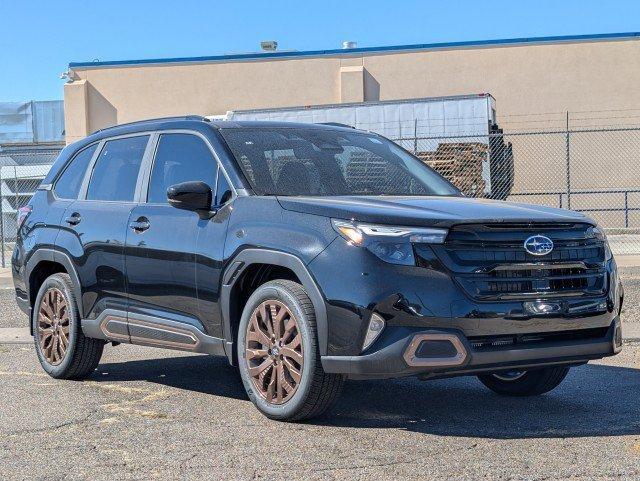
(395, 119)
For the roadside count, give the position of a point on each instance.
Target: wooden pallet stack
(460, 163)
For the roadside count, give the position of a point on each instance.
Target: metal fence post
(15, 189)
(17, 207)
(415, 136)
(626, 208)
(568, 160)
(2, 219)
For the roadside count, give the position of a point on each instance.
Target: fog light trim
(412, 360)
(374, 329)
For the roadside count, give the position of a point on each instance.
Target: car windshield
(329, 162)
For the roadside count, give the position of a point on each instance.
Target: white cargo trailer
(395, 119)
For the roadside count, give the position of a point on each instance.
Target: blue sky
(39, 38)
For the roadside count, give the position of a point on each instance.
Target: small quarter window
(68, 185)
(115, 173)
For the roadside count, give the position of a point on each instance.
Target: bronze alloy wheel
(274, 351)
(53, 326)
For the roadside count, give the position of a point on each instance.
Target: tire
(526, 383)
(315, 390)
(82, 354)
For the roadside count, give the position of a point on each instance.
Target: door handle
(73, 219)
(140, 225)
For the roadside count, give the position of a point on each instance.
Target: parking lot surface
(156, 414)
(148, 414)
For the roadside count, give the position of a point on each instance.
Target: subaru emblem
(538, 245)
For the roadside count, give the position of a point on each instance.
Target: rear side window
(115, 173)
(68, 185)
(180, 158)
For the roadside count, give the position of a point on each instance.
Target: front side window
(180, 158)
(115, 172)
(68, 185)
(327, 162)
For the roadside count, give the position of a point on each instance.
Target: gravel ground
(148, 414)
(10, 314)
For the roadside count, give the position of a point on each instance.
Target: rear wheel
(279, 359)
(63, 350)
(525, 383)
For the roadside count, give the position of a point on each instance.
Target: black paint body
(184, 267)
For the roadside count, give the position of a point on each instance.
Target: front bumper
(427, 297)
(403, 355)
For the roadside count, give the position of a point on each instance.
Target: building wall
(524, 79)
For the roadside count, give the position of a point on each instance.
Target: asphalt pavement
(155, 414)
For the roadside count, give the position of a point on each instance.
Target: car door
(95, 225)
(161, 240)
(67, 188)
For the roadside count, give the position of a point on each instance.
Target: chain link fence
(22, 168)
(595, 171)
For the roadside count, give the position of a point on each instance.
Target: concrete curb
(627, 260)
(631, 331)
(15, 335)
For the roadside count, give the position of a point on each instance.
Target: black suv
(305, 254)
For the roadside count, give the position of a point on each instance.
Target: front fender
(246, 258)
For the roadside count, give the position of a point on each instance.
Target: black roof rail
(175, 117)
(336, 124)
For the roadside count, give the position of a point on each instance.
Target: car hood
(432, 211)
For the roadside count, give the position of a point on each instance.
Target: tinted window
(180, 158)
(68, 185)
(328, 162)
(115, 172)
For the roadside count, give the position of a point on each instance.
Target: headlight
(390, 243)
(598, 233)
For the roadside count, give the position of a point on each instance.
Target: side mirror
(194, 195)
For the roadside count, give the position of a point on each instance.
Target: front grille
(469, 253)
(570, 283)
(485, 343)
(489, 261)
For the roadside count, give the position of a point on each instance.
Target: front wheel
(525, 383)
(278, 355)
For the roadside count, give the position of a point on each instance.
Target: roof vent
(269, 45)
(347, 44)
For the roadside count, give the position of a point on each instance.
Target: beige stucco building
(535, 82)
(531, 79)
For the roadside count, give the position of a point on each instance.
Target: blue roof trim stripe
(393, 48)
